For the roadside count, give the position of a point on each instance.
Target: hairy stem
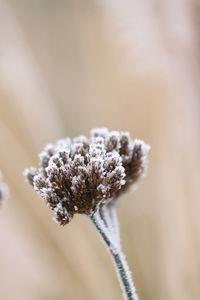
(108, 215)
(114, 219)
(117, 255)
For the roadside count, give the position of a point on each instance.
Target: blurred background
(69, 66)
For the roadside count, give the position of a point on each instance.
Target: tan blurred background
(66, 67)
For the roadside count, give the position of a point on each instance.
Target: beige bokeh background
(66, 67)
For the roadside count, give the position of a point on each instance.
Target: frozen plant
(4, 192)
(86, 176)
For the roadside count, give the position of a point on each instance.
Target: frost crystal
(75, 176)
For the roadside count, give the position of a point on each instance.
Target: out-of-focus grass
(66, 67)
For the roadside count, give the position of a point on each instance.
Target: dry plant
(86, 176)
(144, 62)
(4, 191)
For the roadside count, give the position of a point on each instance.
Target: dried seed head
(4, 192)
(75, 176)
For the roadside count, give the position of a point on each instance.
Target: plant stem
(117, 255)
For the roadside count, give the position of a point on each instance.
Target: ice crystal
(75, 176)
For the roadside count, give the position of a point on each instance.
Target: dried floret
(75, 176)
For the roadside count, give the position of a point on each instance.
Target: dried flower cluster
(4, 193)
(76, 175)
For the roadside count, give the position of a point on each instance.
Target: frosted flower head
(4, 192)
(75, 176)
